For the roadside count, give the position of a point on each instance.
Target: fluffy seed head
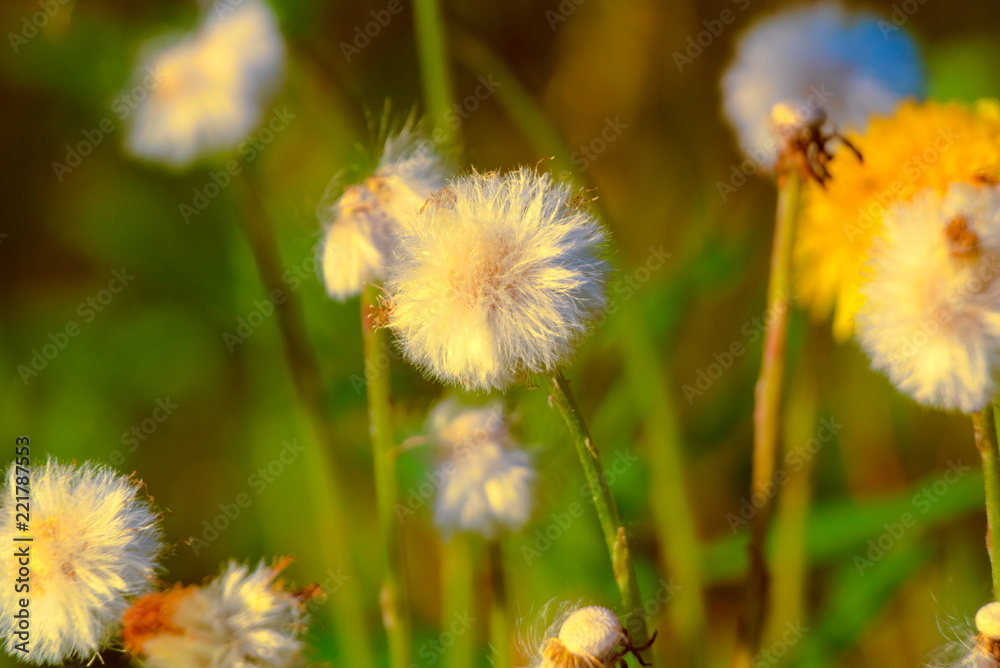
(487, 480)
(361, 225)
(500, 277)
(928, 145)
(816, 58)
(204, 92)
(988, 620)
(931, 319)
(242, 618)
(588, 637)
(95, 546)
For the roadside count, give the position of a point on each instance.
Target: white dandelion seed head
(487, 490)
(501, 277)
(816, 58)
(361, 225)
(456, 426)
(581, 636)
(931, 321)
(988, 620)
(204, 92)
(96, 545)
(240, 619)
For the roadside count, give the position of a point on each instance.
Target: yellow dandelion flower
(924, 145)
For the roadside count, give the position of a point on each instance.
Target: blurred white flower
(207, 88)
(815, 61)
(931, 320)
(500, 277)
(240, 619)
(487, 481)
(95, 545)
(360, 226)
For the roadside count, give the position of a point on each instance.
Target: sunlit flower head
(931, 318)
(205, 92)
(361, 225)
(500, 277)
(922, 146)
(584, 637)
(95, 545)
(242, 618)
(979, 650)
(812, 60)
(486, 480)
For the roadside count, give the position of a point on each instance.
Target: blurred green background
(598, 66)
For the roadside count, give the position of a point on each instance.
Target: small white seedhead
(592, 631)
(988, 621)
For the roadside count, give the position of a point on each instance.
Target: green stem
(379, 397)
(324, 485)
(985, 424)
(669, 500)
(458, 575)
(607, 512)
(499, 615)
(434, 71)
(766, 418)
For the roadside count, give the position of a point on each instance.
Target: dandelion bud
(815, 59)
(500, 277)
(94, 546)
(988, 621)
(205, 92)
(931, 320)
(362, 224)
(590, 636)
(241, 618)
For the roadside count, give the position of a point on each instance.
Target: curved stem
(767, 404)
(380, 425)
(607, 512)
(323, 483)
(985, 425)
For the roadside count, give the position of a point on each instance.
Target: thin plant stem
(499, 615)
(322, 481)
(386, 488)
(767, 406)
(458, 574)
(434, 70)
(669, 499)
(607, 512)
(985, 425)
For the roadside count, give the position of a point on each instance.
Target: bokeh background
(566, 72)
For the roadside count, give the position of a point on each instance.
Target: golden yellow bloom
(924, 145)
